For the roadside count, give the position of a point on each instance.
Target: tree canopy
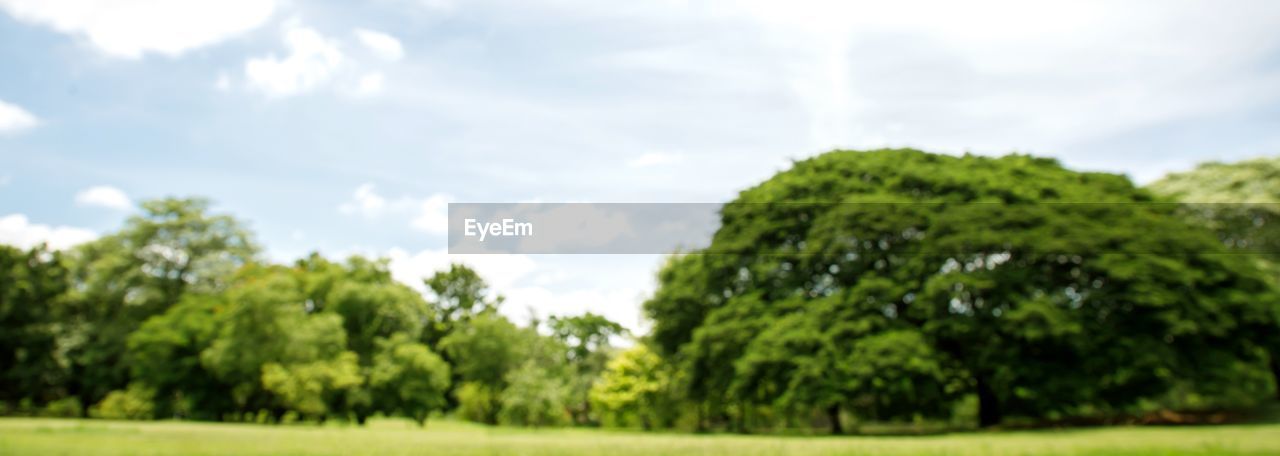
(893, 283)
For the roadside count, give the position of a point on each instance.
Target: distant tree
(267, 328)
(1241, 203)
(484, 350)
(407, 377)
(371, 312)
(310, 387)
(133, 403)
(173, 246)
(536, 395)
(1255, 181)
(478, 402)
(457, 295)
(587, 338)
(33, 286)
(164, 355)
(630, 389)
(320, 339)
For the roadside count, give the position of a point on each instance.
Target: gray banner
(943, 228)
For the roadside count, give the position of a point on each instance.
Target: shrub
(535, 396)
(134, 403)
(477, 402)
(67, 407)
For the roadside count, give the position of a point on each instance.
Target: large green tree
(880, 281)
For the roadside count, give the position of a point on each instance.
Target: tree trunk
(833, 414)
(739, 419)
(1275, 370)
(989, 413)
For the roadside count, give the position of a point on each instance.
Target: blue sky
(346, 127)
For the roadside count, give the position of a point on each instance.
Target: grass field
(20, 436)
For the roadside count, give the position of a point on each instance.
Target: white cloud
(17, 231)
(523, 282)
(370, 84)
(311, 62)
(131, 28)
(429, 214)
(617, 304)
(655, 159)
(433, 214)
(501, 271)
(104, 196)
(13, 118)
(365, 201)
(384, 46)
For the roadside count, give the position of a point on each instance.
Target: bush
(68, 407)
(134, 403)
(535, 397)
(477, 402)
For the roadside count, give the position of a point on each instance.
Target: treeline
(175, 316)
(853, 288)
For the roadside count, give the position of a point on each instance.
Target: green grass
(20, 436)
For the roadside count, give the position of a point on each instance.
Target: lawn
(80, 437)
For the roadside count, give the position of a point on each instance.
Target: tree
(1255, 181)
(487, 350)
(268, 347)
(957, 267)
(631, 387)
(484, 350)
(458, 295)
(587, 338)
(173, 246)
(1240, 202)
(311, 387)
(373, 307)
(377, 310)
(536, 395)
(164, 355)
(409, 378)
(33, 285)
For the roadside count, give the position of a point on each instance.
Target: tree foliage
(1240, 202)
(631, 388)
(891, 283)
(408, 378)
(33, 285)
(173, 246)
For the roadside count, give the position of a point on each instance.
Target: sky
(348, 127)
